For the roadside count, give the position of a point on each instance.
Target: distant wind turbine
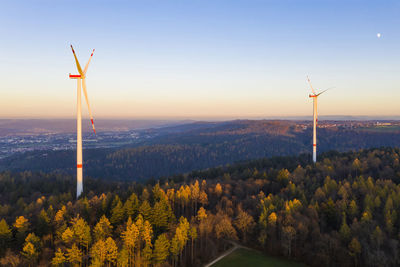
(314, 96)
(81, 78)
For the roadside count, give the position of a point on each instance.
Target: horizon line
(216, 118)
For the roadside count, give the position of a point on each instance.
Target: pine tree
(117, 213)
(59, 258)
(131, 206)
(218, 189)
(98, 253)
(195, 194)
(5, 235)
(81, 231)
(59, 217)
(74, 255)
(145, 210)
(111, 250)
(32, 238)
(161, 249)
(29, 252)
(161, 214)
(123, 257)
(145, 195)
(146, 234)
(377, 237)
(345, 232)
(130, 237)
(103, 229)
(182, 233)
(147, 254)
(42, 224)
(355, 249)
(158, 193)
(353, 209)
(67, 236)
(175, 249)
(21, 224)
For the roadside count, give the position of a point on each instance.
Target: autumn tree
(288, 234)
(81, 232)
(98, 253)
(10, 259)
(355, 249)
(244, 223)
(43, 223)
(59, 258)
(131, 206)
(103, 229)
(193, 237)
(161, 249)
(30, 253)
(5, 235)
(224, 228)
(130, 237)
(74, 255)
(111, 251)
(117, 212)
(345, 231)
(21, 225)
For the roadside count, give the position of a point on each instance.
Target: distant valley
(178, 148)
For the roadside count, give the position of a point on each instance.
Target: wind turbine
(314, 96)
(81, 79)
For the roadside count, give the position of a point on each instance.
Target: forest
(343, 211)
(199, 146)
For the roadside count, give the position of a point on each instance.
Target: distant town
(21, 142)
(10, 145)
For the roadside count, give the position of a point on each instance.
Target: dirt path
(235, 246)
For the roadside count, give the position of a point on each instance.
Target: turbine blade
(309, 82)
(87, 64)
(325, 91)
(77, 62)
(87, 101)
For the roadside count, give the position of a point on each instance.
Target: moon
(378, 35)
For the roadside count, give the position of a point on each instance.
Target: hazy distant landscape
(168, 148)
(18, 136)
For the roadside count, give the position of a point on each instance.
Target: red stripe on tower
(314, 144)
(79, 165)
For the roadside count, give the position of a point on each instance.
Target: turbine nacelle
(314, 94)
(75, 76)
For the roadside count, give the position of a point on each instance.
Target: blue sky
(200, 59)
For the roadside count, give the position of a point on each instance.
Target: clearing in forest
(244, 257)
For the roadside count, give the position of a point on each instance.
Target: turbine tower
(81, 79)
(314, 96)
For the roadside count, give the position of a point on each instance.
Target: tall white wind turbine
(314, 96)
(81, 79)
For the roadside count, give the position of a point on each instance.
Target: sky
(200, 58)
